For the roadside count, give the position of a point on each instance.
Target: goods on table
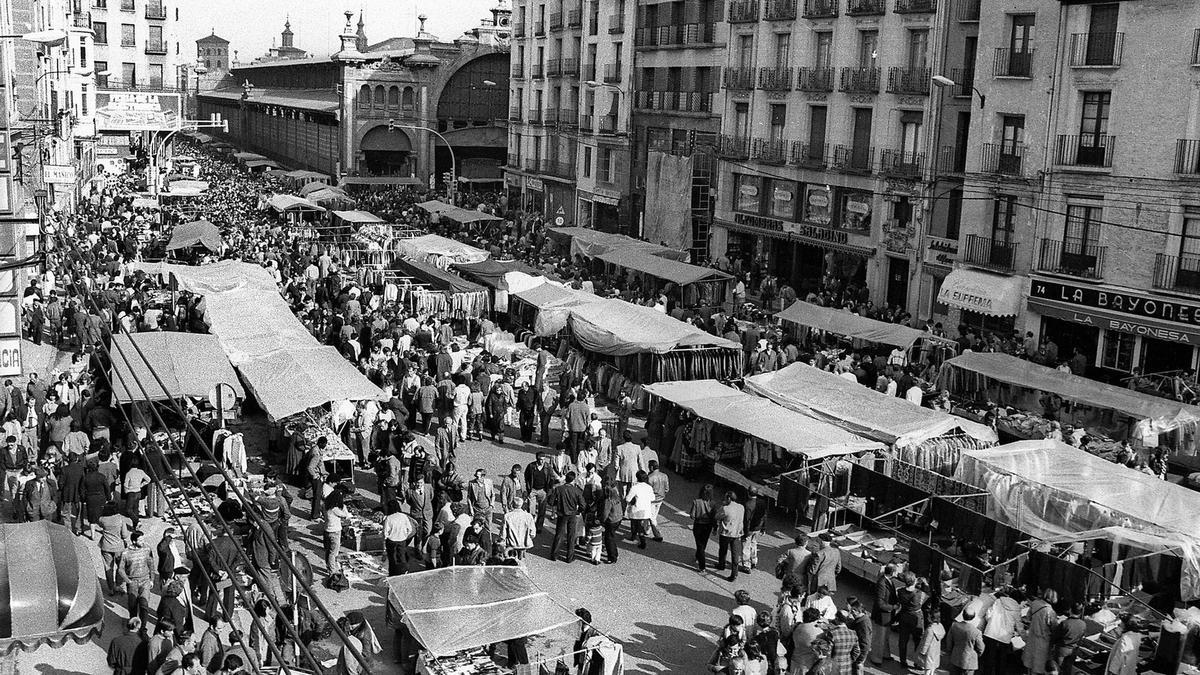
(363, 530)
(362, 566)
(465, 663)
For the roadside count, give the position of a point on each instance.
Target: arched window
(364, 96)
(379, 98)
(407, 103)
(393, 98)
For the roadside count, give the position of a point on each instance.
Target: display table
(463, 663)
(865, 552)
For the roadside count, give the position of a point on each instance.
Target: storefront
(535, 195)
(938, 259)
(560, 203)
(512, 188)
(1119, 331)
(600, 211)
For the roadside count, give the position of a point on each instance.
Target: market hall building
(332, 114)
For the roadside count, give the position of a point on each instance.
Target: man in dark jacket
(567, 502)
(128, 653)
(884, 610)
(70, 497)
(755, 524)
(858, 621)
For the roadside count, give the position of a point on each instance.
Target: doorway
(1160, 356)
(1069, 336)
(897, 283)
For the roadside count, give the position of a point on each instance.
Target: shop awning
(189, 364)
(1012, 370)
(51, 587)
(357, 217)
(330, 196)
(452, 609)
(975, 291)
(286, 203)
(620, 328)
(859, 409)
(841, 322)
(757, 417)
(658, 267)
(195, 233)
(439, 250)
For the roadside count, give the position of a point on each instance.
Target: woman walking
(911, 614)
(703, 507)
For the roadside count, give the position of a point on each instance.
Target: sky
(317, 23)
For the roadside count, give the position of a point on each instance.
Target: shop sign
(856, 210)
(10, 357)
(802, 230)
(58, 174)
(817, 204)
(1133, 327)
(138, 111)
(940, 251)
(534, 184)
(1137, 306)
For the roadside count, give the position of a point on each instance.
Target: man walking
(539, 478)
(628, 461)
(567, 501)
(317, 473)
(755, 525)
(398, 531)
(731, 518)
(661, 484)
(135, 569)
(481, 493)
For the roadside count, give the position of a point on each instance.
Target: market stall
(51, 587)
(260, 165)
(848, 324)
(293, 208)
(188, 365)
(454, 613)
(589, 243)
(544, 309)
(331, 198)
(433, 206)
(198, 233)
(918, 435)
(1109, 414)
(309, 188)
(304, 177)
(498, 276)
(690, 286)
(438, 251)
(441, 293)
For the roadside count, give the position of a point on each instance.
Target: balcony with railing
(808, 155)
(780, 10)
(514, 161)
(589, 72)
(550, 117)
(158, 47)
(612, 72)
(607, 124)
(951, 160)
(1086, 151)
(909, 81)
(1187, 157)
(815, 79)
(1071, 258)
(593, 22)
(674, 101)
(688, 34)
(82, 20)
(554, 68)
(1004, 159)
(556, 21)
(853, 159)
(733, 147)
(860, 80)
(146, 84)
(519, 30)
(539, 28)
(570, 67)
(968, 11)
(575, 18)
(616, 24)
(156, 11)
(865, 7)
(587, 123)
(1177, 273)
(775, 79)
(915, 6)
(964, 82)
(902, 164)
(820, 9)
(1098, 50)
(514, 114)
(537, 71)
(988, 254)
(531, 165)
(769, 151)
(743, 11)
(533, 115)
(518, 71)
(740, 79)
(568, 117)
(1013, 63)
(558, 168)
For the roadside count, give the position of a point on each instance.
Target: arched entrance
(387, 153)
(467, 113)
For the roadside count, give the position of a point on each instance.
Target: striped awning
(40, 604)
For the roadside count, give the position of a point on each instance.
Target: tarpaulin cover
(620, 328)
(244, 156)
(1012, 370)
(145, 203)
(435, 206)
(662, 268)
(439, 250)
(590, 243)
(1051, 489)
(864, 411)
(553, 302)
(195, 233)
(464, 216)
(437, 278)
(258, 163)
(357, 217)
(244, 309)
(491, 272)
(760, 418)
(975, 291)
(284, 203)
(51, 589)
(289, 382)
(305, 174)
(185, 187)
(189, 364)
(310, 188)
(452, 609)
(841, 322)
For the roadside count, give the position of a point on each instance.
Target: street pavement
(654, 601)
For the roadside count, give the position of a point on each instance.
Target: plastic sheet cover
(1050, 489)
(841, 322)
(189, 364)
(857, 408)
(590, 243)
(198, 232)
(621, 328)
(437, 249)
(554, 302)
(757, 417)
(661, 268)
(452, 609)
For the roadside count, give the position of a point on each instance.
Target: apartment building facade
(835, 139)
(1081, 208)
(570, 111)
(136, 43)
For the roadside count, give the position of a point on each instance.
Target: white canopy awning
(975, 291)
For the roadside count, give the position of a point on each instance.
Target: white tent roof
(758, 417)
(433, 248)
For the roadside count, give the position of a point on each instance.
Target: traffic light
(391, 125)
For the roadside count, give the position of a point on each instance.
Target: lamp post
(393, 125)
(943, 81)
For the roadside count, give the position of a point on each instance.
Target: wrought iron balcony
(733, 147)
(575, 19)
(1187, 157)
(556, 21)
(821, 9)
(815, 79)
(612, 72)
(902, 164)
(518, 70)
(1010, 63)
(568, 117)
(860, 80)
(808, 155)
(780, 10)
(743, 11)
(587, 123)
(560, 169)
(589, 72)
(537, 71)
(738, 78)
(607, 124)
(988, 254)
(514, 114)
(1003, 159)
(554, 68)
(539, 28)
(159, 47)
(968, 11)
(156, 11)
(768, 151)
(550, 117)
(570, 67)
(533, 115)
(616, 24)
(1076, 259)
(951, 160)
(532, 165)
(519, 30)
(674, 101)
(1177, 273)
(1085, 151)
(909, 81)
(865, 7)
(775, 79)
(964, 82)
(915, 6)
(1097, 49)
(853, 159)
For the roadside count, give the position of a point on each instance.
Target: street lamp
(393, 125)
(46, 37)
(943, 81)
